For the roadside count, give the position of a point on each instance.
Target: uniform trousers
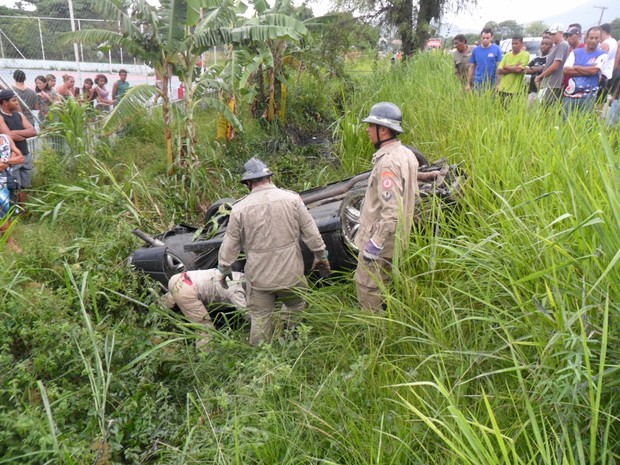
(262, 305)
(369, 275)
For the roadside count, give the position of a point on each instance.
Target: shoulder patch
(387, 183)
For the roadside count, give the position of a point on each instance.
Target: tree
(472, 38)
(508, 29)
(536, 28)
(403, 15)
(338, 34)
(491, 25)
(427, 12)
(171, 38)
(615, 28)
(273, 54)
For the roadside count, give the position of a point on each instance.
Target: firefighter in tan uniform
(267, 225)
(194, 291)
(387, 213)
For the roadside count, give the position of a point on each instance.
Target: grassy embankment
(500, 343)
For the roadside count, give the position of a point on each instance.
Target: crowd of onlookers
(18, 106)
(580, 71)
(45, 93)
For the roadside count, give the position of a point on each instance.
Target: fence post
(120, 49)
(41, 39)
(75, 46)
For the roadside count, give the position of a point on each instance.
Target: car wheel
(176, 260)
(350, 213)
(217, 211)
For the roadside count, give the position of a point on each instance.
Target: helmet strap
(381, 142)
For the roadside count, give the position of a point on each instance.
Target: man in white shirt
(609, 45)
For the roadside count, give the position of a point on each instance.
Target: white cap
(557, 27)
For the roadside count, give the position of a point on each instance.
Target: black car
(335, 208)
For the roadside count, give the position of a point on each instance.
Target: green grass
(499, 344)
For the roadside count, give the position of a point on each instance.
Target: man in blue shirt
(483, 63)
(583, 69)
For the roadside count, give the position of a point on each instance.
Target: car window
(506, 45)
(532, 46)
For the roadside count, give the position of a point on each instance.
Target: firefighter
(194, 291)
(388, 209)
(267, 224)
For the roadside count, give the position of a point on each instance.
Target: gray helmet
(385, 114)
(254, 169)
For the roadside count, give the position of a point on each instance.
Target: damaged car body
(335, 208)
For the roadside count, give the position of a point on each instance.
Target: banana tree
(162, 37)
(172, 38)
(271, 57)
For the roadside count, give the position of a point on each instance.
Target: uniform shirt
(461, 63)
(390, 198)
(485, 61)
(209, 288)
(513, 82)
(268, 224)
(579, 86)
(557, 53)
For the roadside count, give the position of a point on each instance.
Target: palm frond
(174, 15)
(205, 38)
(260, 33)
(222, 108)
(134, 103)
(282, 20)
(219, 13)
(261, 6)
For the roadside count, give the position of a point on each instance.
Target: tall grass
(499, 344)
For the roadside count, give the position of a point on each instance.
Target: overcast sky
(526, 11)
(522, 11)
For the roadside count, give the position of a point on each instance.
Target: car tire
(176, 260)
(215, 207)
(349, 213)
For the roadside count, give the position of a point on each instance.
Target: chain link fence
(31, 41)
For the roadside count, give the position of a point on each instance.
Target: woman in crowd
(51, 83)
(45, 97)
(67, 89)
(89, 95)
(104, 102)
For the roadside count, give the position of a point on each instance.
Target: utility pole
(602, 8)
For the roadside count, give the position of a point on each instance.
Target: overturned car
(335, 208)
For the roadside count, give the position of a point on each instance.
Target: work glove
(321, 264)
(225, 273)
(372, 251)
